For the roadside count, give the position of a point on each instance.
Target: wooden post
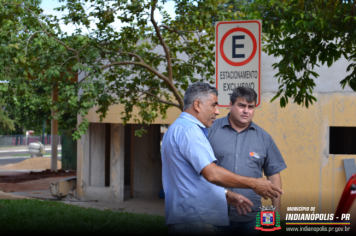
(54, 131)
(132, 152)
(54, 126)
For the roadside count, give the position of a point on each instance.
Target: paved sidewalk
(11, 196)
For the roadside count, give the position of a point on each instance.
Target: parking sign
(238, 58)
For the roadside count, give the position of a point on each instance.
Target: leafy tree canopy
(6, 124)
(30, 108)
(117, 65)
(124, 66)
(306, 34)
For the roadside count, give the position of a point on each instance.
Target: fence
(25, 140)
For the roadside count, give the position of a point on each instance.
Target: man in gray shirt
(244, 148)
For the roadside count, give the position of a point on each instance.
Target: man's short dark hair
(243, 92)
(200, 91)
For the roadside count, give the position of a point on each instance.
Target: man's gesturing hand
(266, 189)
(241, 203)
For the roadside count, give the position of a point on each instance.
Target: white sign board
(237, 57)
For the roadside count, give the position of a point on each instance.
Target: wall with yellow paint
(313, 177)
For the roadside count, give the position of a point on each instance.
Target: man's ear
(231, 105)
(197, 105)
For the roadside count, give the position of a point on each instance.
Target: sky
(48, 5)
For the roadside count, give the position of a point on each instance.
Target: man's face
(242, 112)
(208, 110)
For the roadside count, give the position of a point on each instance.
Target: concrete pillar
(97, 155)
(117, 164)
(91, 163)
(147, 166)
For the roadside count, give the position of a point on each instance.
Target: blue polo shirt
(189, 197)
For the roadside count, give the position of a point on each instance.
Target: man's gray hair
(198, 91)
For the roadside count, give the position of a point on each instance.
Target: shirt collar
(225, 122)
(188, 116)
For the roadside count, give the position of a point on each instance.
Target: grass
(50, 218)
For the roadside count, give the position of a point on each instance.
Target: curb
(27, 157)
(25, 150)
(14, 195)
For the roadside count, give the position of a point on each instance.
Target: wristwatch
(225, 192)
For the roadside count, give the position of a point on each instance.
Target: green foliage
(115, 66)
(305, 34)
(46, 217)
(32, 105)
(6, 124)
(124, 65)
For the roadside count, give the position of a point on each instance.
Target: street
(12, 156)
(13, 152)
(5, 161)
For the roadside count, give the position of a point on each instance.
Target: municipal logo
(268, 219)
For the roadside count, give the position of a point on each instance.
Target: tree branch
(30, 38)
(165, 47)
(177, 31)
(67, 60)
(155, 58)
(128, 53)
(160, 100)
(187, 63)
(159, 75)
(45, 31)
(83, 47)
(133, 55)
(185, 40)
(165, 79)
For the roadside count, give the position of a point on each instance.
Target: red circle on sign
(254, 49)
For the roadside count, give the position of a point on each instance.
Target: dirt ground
(23, 177)
(22, 182)
(36, 163)
(39, 184)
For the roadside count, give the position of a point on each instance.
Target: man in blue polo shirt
(246, 149)
(194, 201)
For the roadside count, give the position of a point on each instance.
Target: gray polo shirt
(247, 153)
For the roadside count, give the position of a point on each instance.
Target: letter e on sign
(237, 53)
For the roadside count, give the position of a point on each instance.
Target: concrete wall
(313, 177)
(146, 168)
(91, 164)
(147, 165)
(327, 82)
(97, 155)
